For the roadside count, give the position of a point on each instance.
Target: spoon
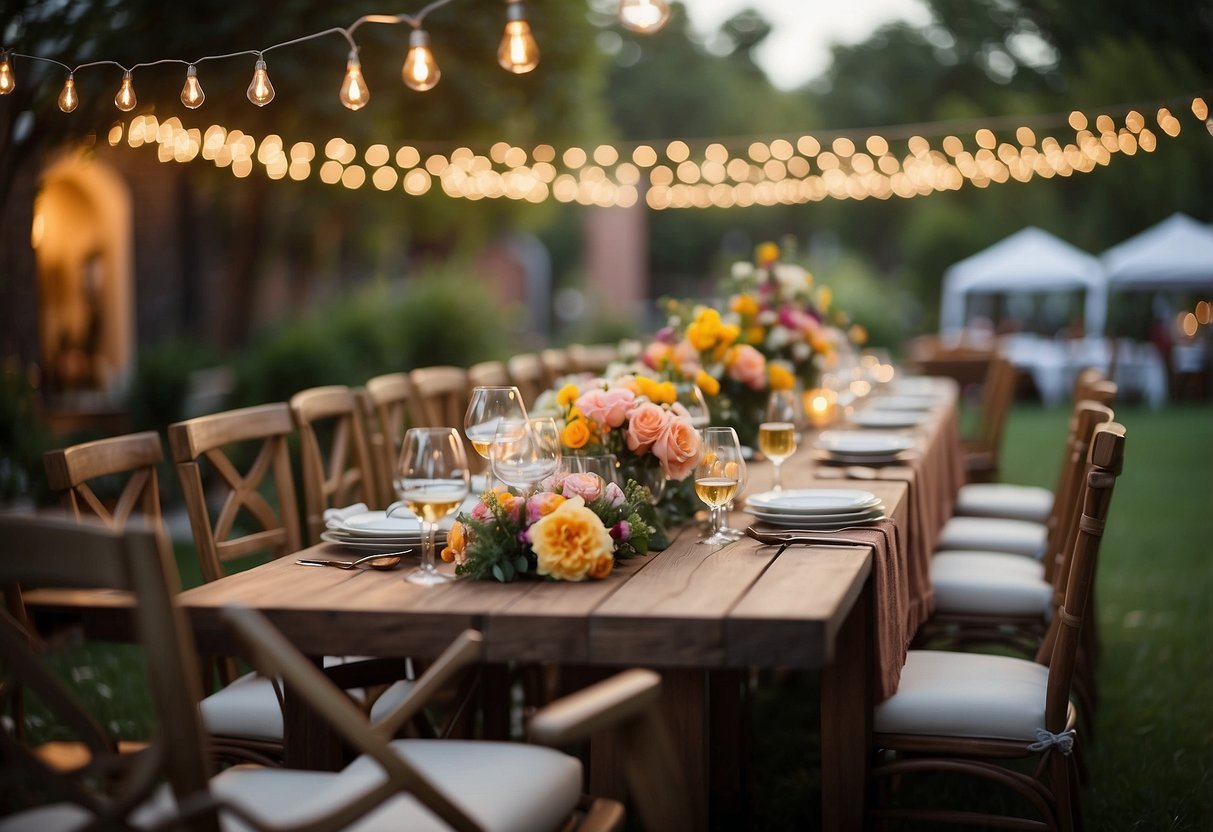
(383, 561)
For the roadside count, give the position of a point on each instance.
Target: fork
(802, 539)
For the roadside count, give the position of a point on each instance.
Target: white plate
(864, 443)
(776, 517)
(377, 545)
(905, 402)
(402, 523)
(813, 501)
(809, 523)
(862, 459)
(914, 386)
(873, 418)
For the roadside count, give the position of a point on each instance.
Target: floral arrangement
(777, 330)
(634, 417)
(572, 529)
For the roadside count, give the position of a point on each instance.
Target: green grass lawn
(1151, 766)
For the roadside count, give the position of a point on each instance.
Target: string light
(192, 95)
(260, 90)
(125, 99)
(420, 69)
(8, 82)
(643, 16)
(518, 52)
(68, 100)
(354, 92)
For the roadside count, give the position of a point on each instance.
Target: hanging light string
(518, 54)
(900, 161)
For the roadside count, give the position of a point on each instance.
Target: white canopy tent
(1175, 254)
(1028, 262)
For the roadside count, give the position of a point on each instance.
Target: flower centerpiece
(777, 331)
(572, 529)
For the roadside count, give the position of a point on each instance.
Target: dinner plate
(809, 523)
(914, 386)
(905, 402)
(862, 459)
(377, 524)
(378, 544)
(843, 517)
(874, 418)
(864, 443)
(813, 501)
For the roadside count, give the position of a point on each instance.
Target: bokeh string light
(904, 161)
(518, 53)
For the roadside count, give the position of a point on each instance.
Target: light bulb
(8, 82)
(354, 92)
(420, 69)
(125, 99)
(68, 100)
(192, 95)
(260, 90)
(643, 16)
(518, 52)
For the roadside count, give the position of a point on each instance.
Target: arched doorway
(82, 240)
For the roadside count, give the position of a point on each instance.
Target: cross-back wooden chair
(440, 400)
(406, 783)
(70, 470)
(556, 364)
(528, 375)
(339, 472)
(592, 358)
(982, 450)
(488, 374)
(965, 713)
(387, 399)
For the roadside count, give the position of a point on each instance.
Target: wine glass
(777, 435)
(718, 476)
(523, 454)
(431, 481)
(691, 397)
(606, 466)
(486, 408)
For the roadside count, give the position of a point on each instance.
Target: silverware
(382, 561)
(786, 540)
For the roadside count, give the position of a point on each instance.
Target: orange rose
(456, 544)
(678, 449)
(602, 567)
(646, 424)
(575, 434)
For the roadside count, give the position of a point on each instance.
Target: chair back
(488, 374)
(333, 454)
(997, 393)
(593, 358)
(556, 364)
(39, 550)
(387, 398)
(528, 375)
(440, 397)
(210, 442)
(1060, 647)
(70, 471)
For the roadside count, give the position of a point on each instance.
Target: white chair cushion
(995, 499)
(993, 534)
(56, 817)
(966, 695)
(248, 708)
(504, 787)
(988, 583)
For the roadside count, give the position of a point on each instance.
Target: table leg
(729, 737)
(309, 741)
(846, 721)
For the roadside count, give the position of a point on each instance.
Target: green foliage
(23, 439)
(162, 382)
(868, 299)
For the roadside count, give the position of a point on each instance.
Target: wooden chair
(387, 400)
(556, 364)
(469, 785)
(966, 713)
(982, 451)
(527, 373)
(342, 476)
(594, 358)
(70, 470)
(440, 397)
(488, 374)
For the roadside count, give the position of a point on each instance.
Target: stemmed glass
(777, 435)
(606, 466)
(523, 454)
(718, 476)
(487, 407)
(431, 481)
(691, 397)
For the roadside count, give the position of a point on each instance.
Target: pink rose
(481, 512)
(586, 486)
(678, 449)
(646, 424)
(607, 407)
(614, 495)
(542, 504)
(749, 367)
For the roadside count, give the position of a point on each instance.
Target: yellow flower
(780, 377)
(766, 253)
(707, 316)
(755, 334)
(729, 333)
(857, 335)
(456, 543)
(821, 345)
(665, 393)
(744, 304)
(571, 543)
(709, 385)
(567, 395)
(824, 298)
(575, 434)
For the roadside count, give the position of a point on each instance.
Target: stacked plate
(374, 531)
(874, 417)
(816, 508)
(855, 447)
(910, 402)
